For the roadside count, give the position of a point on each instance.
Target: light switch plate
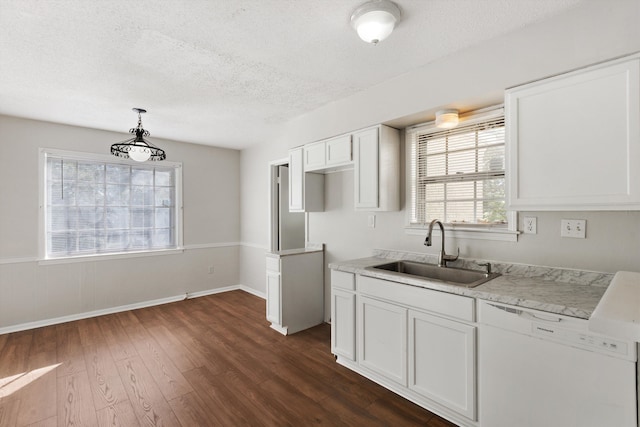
(371, 221)
(576, 228)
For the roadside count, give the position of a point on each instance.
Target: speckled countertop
(573, 293)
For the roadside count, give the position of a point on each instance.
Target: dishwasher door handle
(535, 316)
(527, 315)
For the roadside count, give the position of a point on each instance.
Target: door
(290, 224)
(274, 298)
(442, 356)
(382, 346)
(338, 150)
(366, 155)
(343, 323)
(296, 181)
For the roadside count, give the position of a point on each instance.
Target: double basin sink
(448, 275)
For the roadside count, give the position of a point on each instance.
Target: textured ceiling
(227, 73)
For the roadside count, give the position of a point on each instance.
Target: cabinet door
(366, 153)
(274, 298)
(574, 140)
(314, 156)
(296, 180)
(343, 323)
(338, 150)
(382, 343)
(442, 365)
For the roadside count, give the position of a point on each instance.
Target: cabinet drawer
(343, 280)
(451, 305)
(273, 264)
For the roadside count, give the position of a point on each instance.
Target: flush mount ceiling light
(447, 119)
(138, 148)
(375, 20)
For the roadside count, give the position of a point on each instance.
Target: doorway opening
(287, 228)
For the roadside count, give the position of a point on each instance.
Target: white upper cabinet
(376, 153)
(314, 156)
(338, 151)
(296, 180)
(574, 140)
(328, 153)
(306, 190)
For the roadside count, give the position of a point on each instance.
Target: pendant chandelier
(138, 148)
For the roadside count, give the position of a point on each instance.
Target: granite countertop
(562, 291)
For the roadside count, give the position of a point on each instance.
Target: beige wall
(218, 182)
(592, 32)
(31, 292)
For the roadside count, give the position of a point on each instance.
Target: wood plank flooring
(209, 361)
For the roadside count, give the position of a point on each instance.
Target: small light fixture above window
(375, 20)
(447, 119)
(138, 148)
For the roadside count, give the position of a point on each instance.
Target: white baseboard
(252, 291)
(282, 330)
(127, 307)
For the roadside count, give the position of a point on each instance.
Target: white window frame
(106, 158)
(463, 231)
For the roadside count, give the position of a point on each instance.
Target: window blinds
(457, 176)
(94, 207)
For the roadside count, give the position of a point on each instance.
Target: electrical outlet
(576, 228)
(371, 221)
(530, 225)
(211, 270)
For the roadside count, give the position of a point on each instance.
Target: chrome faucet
(442, 256)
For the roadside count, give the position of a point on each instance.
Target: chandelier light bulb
(139, 154)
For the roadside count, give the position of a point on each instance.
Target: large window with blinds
(457, 175)
(97, 206)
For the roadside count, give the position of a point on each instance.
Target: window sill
(109, 256)
(497, 234)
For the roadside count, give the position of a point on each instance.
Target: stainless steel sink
(450, 275)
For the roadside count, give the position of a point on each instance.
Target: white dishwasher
(538, 369)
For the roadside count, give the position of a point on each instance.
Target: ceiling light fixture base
(375, 20)
(447, 119)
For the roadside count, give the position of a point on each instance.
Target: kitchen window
(458, 175)
(98, 205)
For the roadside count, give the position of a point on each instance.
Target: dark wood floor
(210, 361)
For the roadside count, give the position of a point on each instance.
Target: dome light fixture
(447, 119)
(138, 148)
(375, 20)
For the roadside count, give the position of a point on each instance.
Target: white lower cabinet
(274, 298)
(295, 290)
(382, 338)
(343, 324)
(417, 342)
(442, 361)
